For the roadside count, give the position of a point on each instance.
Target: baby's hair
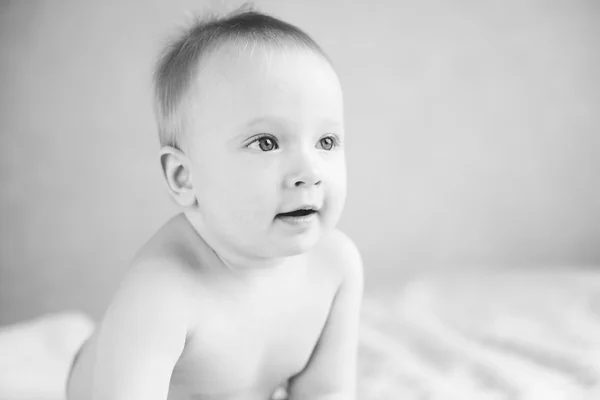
(179, 62)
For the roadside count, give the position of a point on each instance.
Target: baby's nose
(308, 181)
(307, 178)
(305, 174)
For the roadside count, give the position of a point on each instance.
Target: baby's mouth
(302, 212)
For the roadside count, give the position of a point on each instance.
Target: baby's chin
(296, 245)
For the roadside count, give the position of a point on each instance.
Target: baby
(251, 288)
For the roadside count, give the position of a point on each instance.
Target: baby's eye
(264, 143)
(328, 143)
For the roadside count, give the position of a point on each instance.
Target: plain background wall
(473, 136)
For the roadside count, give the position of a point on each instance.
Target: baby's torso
(246, 337)
(246, 346)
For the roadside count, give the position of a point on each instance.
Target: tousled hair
(178, 64)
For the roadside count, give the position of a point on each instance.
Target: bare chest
(252, 344)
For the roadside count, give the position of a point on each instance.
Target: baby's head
(251, 124)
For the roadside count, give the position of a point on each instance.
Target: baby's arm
(331, 371)
(142, 336)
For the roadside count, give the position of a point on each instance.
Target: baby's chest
(252, 346)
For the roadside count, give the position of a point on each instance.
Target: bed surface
(483, 335)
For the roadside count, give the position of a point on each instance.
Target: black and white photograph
(300, 200)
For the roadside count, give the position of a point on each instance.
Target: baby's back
(246, 333)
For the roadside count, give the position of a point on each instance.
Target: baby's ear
(178, 175)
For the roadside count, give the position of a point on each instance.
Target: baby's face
(267, 139)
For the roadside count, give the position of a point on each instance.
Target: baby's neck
(259, 266)
(245, 266)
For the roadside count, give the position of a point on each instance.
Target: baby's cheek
(255, 205)
(335, 199)
(336, 184)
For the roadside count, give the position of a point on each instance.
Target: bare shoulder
(145, 328)
(158, 279)
(153, 292)
(151, 306)
(340, 255)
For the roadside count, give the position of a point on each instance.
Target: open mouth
(303, 212)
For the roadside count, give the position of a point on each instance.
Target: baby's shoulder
(163, 267)
(338, 253)
(154, 281)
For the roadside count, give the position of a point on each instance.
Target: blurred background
(473, 137)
